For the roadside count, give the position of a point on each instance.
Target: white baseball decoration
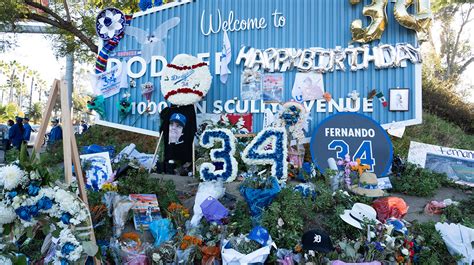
(186, 80)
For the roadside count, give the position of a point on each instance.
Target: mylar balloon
(377, 12)
(419, 22)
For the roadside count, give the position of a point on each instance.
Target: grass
(436, 131)
(106, 136)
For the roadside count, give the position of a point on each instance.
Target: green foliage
(462, 213)
(53, 156)
(116, 138)
(240, 221)
(434, 251)
(441, 99)
(12, 155)
(8, 112)
(139, 182)
(418, 181)
(434, 130)
(35, 113)
(286, 216)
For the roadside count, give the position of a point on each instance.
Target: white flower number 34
(269, 147)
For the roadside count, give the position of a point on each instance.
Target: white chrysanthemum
(5, 261)
(11, 176)
(7, 214)
(66, 236)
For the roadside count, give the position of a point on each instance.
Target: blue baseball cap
(178, 117)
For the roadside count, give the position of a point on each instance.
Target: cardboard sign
(458, 164)
(355, 135)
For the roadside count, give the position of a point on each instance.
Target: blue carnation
(67, 249)
(145, 4)
(34, 211)
(33, 190)
(24, 213)
(12, 194)
(45, 203)
(158, 2)
(66, 218)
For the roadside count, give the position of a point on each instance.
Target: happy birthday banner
(279, 51)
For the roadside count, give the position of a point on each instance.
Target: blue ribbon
(368, 186)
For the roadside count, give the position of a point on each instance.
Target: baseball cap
(317, 240)
(178, 117)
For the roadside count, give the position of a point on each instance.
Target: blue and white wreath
(269, 147)
(224, 155)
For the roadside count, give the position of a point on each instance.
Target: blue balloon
(145, 4)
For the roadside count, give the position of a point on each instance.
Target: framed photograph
(308, 86)
(399, 99)
(273, 87)
(251, 85)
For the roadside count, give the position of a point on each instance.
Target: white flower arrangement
(5, 261)
(7, 214)
(259, 153)
(186, 80)
(208, 170)
(11, 176)
(297, 128)
(68, 247)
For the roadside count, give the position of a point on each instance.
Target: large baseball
(186, 80)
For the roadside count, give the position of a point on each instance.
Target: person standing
(5, 130)
(84, 126)
(16, 133)
(56, 133)
(27, 126)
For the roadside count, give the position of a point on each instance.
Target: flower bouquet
(31, 208)
(242, 250)
(259, 192)
(147, 90)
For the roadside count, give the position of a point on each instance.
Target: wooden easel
(70, 150)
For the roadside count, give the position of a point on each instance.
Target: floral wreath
(293, 117)
(208, 171)
(28, 202)
(186, 80)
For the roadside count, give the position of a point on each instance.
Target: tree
(73, 22)
(35, 113)
(20, 83)
(456, 50)
(9, 111)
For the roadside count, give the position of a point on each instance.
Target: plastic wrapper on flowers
(213, 210)
(162, 230)
(131, 250)
(210, 255)
(210, 188)
(258, 199)
(231, 256)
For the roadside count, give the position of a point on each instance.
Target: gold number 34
(377, 11)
